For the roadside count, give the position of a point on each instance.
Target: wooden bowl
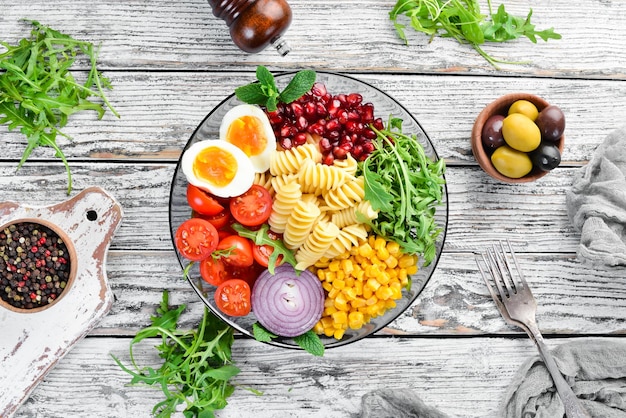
(501, 106)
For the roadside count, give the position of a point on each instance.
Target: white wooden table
(171, 62)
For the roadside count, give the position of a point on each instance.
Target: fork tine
(520, 275)
(498, 273)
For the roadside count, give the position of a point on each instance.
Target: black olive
(546, 157)
(492, 133)
(551, 123)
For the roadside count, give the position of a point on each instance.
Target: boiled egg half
(248, 128)
(218, 167)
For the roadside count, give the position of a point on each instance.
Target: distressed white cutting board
(32, 343)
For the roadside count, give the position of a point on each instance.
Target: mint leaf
(299, 84)
(266, 78)
(261, 334)
(251, 94)
(311, 342)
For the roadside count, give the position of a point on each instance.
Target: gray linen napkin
(596, 203)
(595, 368)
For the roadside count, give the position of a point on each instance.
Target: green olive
(525, 108)
(520, 132)
(511, 162)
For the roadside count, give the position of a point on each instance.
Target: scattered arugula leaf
(266, 93)
(261, 237)
(38, 93)
(405, 186)
(197, 365)
(463, 21)
(309, 341)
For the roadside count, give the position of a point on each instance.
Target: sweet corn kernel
(379, 243)
(393, 247)
(411, 270)
(339, 284)
(346, 266)
(338, 334)
(340, 317)
(365, 250)
(334, 265)
(355, 320)
(406, 261)
(382, 253)
(391, 262)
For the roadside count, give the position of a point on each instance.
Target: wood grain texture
(160, 110)
(351, 35)
(461, 377)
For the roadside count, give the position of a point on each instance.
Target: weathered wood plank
(160, 111)
(353, 35)
(461, 377)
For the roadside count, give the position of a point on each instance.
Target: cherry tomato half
(239, 251)
(219, 221)
(233, 297)
(202, 202)
(253, 207)
(196, 239)
(213, 271)
(262, 253)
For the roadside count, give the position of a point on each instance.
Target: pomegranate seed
(316, 128)
(285, 143)
(325, 145)
(342, 116)
(333, 125)
(334, 107)
(297, 110)
(275, 117)
(319, 89)
(378, 124)
(347, 146)
(299, 139)
(287, 131)
(368, 134)
(342, 98)
(354, 115)
(302, 123)
(310, 110)
(368, 147)
(328, 159)
(353, 126)
(320, 109)
(354, 99)
(339, 153)
(334, 135)
(367, 113)
(356, 152)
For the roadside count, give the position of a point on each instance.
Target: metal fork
(518, 307)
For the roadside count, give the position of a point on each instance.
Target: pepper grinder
(255, 24)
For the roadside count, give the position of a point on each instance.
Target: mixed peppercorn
(34, 265)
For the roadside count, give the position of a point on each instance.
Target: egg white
(260, 161)
(240, 183)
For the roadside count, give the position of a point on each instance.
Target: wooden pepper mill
(255, 24)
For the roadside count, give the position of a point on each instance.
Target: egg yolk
(215, 166)
(247, 133)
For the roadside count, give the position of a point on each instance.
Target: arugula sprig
(261, 237)
(197, 365)
(38, 93)
(463, 21)
(266, 93)
(405, 186)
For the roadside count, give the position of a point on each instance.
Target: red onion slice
(287, 304)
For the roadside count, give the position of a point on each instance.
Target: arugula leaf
(463, 21)
(266, 93)
(197, 365)
(38, 93)
(405, 186)
(261, 237)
